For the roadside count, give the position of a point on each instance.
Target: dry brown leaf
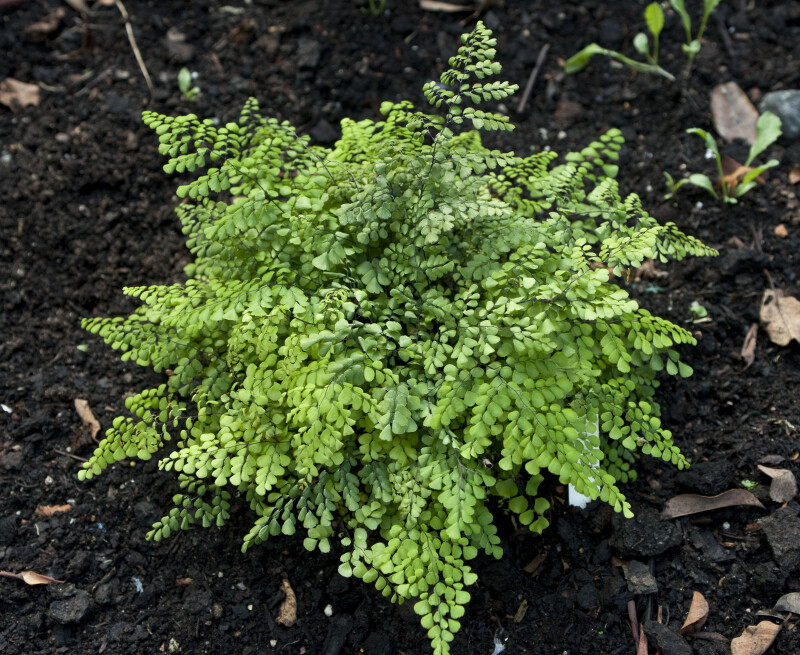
(30, 577)
(698, 613)
(82, 407)
(648, 271)
(772, 460)
(686, 504)
(287, 614)
(535, 564)
(734, 115)
(794, 175)
(434, 5)
(781, 231)
(749, 346)
(183, 582)
(781, 316)
(755, 639)
(15, 94)
(783, 487)
(789, 603)
(521, 611)
(733, 172)
(642, 646)
(52, 510)
(41, 29)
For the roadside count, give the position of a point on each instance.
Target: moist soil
(86, 210)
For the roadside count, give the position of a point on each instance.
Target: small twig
(132, 39)
(532, 79)
(93, 83)
(66, 454)
(726, 40)
(634, 622)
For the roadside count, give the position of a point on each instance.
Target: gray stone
(786, 105)
(666, 640)
(782, 529)
(8, 530)
(146, 512)
(323, 132)
(640, 580)
(645, 535)
(709, 478)
(197, 600)
(308, 53)
(379, 644)
(71, 610)
(710, 647)
(341, 625)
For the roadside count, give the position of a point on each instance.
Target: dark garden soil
(86, 209)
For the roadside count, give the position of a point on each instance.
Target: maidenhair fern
(380, 342)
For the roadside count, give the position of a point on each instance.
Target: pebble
(640, 580)
(709, 478)
(8, 530)
(782, 529)
(378, 643)
(786, 105)
(323, 132)
(71, 610)
(341, 626)
(665, 640)
(308, 53)
(645, 535)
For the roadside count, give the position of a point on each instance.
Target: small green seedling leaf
(654, 17)
(768, 129)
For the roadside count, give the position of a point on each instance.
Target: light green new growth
(654, 18)
(768, 130)
(379, 342)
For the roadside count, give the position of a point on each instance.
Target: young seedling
(374, 8)
(734, 186)
(185, 84)
(654, 18)
(693, 44)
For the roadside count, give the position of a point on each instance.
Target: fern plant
(382, 342)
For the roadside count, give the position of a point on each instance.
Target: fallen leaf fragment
(42, 29)
(698, 613)
(287, 614)
(749, 346)
(772, 460)
(30, 577)
(781, 315)
(794, 175)
(15, 94)
(781, 231)
(734, 115)
(82, 407)
(434, 5)
(183, 582)
(687, 504)
(784, 485)
(733, 172)
(789, 603)
(51, 510)
(755, 639)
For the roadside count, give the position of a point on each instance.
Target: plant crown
(379, 342)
